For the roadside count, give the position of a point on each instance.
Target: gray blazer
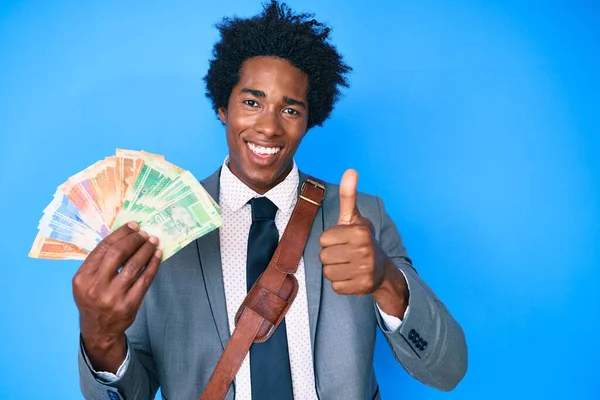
(182, 328)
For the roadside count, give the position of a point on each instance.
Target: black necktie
(269, 361)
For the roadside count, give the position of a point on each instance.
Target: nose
(268, 123)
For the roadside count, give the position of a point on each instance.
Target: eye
(251, 103)
(291, 111)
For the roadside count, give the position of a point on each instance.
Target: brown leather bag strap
(272, 294)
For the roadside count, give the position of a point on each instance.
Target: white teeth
(263, 150)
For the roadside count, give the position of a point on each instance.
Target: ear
(223, 115)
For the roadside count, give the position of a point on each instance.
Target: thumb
(348, 211)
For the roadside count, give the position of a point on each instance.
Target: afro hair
(278, 32)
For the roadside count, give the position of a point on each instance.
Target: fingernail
(153, 240)
(143, 234)
(158, 254)
(133, 225)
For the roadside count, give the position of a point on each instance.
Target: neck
(259, 187)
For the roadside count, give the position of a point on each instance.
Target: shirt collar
(234, 194)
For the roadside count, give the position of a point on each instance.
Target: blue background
(477, 122)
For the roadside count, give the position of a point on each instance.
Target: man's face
(266, 119)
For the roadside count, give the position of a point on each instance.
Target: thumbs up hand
(352, 259)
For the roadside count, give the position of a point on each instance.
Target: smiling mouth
(262, 151)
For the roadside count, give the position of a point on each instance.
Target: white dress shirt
(237, 219)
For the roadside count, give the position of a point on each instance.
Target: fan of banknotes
(165, 200)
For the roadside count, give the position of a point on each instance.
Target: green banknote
(184, 216)
(153, 178)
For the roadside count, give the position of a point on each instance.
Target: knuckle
(364, 251)
(363, 231)
(323, 239)
(103, 246)
(115, 253)
(126, 272)
(101, 304)
(364, 268)
(134, 264)
(335, 286)
(323, 257)
(355, 229)
(78, 281)
(106, 302)
(93, 293)
(132, 268)
(357, 234)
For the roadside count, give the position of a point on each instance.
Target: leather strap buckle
(318, 185)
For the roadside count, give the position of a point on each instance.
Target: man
(273, 77)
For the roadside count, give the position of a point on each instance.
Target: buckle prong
(314, 183)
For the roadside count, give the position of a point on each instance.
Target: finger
(121, 232)
(348, 211)
(136, 263)
(337, 254)
(142, 284)
(119, 252)
(339, 272)
(344, 287)
(94, 259)
(340, 234)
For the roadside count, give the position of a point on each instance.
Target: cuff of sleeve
(418, 329)
(103, 376)
(390, 322)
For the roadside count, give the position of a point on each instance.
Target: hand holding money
(140, 198)
(108, 300)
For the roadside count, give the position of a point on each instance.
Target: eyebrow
(261, 94)
(294, 102)
(254, 92)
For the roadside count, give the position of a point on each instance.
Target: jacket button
(416, 337)
(113, 395)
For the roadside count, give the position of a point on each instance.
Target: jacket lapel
(209, 250)
(313, 269)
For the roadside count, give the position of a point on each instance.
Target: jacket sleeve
(138, 381)
(429, 343)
